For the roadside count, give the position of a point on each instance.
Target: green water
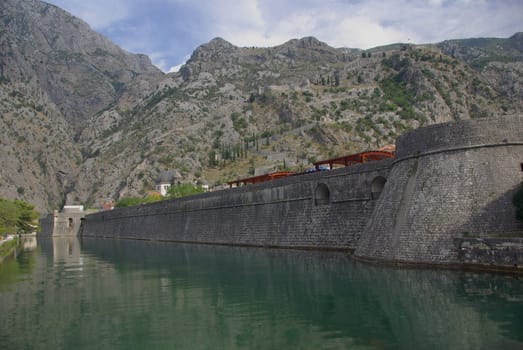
(104, 294)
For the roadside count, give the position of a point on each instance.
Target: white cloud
(175, 69)
(141, 25)
(360, 32)
(99, 14)
(341, 26)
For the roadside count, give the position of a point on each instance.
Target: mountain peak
(217, 44)
(305, 42)
(517, 41)
(216, 49)
(310, 41)
(218, 41)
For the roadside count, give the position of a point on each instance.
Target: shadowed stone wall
(321, 210)
(448, 181)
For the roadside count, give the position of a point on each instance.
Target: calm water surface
(104, 294)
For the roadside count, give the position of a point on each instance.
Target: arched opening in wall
(377, 187)
(70, 223)
(322, 195)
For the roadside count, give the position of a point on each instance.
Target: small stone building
(165, 180)
(67, 222)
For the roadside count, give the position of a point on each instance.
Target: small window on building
(521, 166)
(322, 195)
(70, 222)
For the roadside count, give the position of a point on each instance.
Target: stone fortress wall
(448, 183)
(321, 210)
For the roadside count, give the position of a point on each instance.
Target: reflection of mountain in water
(126, 294)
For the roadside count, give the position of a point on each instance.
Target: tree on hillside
(17, 217)
(27, 217)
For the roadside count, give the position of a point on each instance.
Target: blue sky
(169, 30)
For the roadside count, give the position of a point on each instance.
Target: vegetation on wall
(183, 190)
(176, 191)
(132, 201)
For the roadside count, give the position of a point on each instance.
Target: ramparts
(448, 182)
(326, 210)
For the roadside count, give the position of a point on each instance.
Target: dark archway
(322, 194)
(377, 187)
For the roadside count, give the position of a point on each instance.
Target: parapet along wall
(326, 210)
(447, 182)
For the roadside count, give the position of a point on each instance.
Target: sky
(168, 31)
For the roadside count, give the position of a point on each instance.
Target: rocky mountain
(55, 74)
(83, 121)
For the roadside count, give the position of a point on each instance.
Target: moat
(73, 293)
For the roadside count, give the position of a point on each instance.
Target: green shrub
(517, 199)
(17, 217)
(132, 201)
(183, 190)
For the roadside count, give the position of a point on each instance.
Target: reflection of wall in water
(29, 243)
(66, 250)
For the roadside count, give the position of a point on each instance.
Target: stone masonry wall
(447, 181)
(290, 212)
(46, 225)
(491, 252)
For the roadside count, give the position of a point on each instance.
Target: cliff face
(81, 71)
(83, 120)
(55, 73)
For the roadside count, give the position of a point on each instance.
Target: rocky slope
(230, 110)
(87, 121)
(55, 73)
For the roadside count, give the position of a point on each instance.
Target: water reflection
(66, 250)
(28, 242)
(146, 295)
